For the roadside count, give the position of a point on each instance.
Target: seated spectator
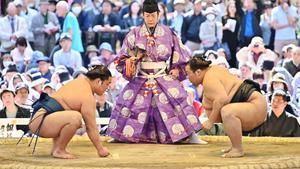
(21, 54)
(246, 71)
(279, 122)
(6, 60)
(67, 56)
(104, 109)
(11, 110)
(44, 67)
(49, 88)
(106, 54)
(22, 95)
(296, 94)
(80, 73)
(293, 65)
(8, 73)
(115, 87)
(107, 24)
(37, 84)
(256, 53)
(221, 61)
(91, 51)
(192, 99)
(259, 78)
(288, 77)
(211, 55)
(17, 78)
(34, 57)
(278, 82)
(60, 77)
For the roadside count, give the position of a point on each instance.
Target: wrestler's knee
(76, 119)
(226, 113)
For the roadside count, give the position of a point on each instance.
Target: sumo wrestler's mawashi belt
(49, 106)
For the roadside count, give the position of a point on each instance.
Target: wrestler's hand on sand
(207, 125)
(174, 73)
(103, 152)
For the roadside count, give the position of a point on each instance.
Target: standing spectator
(266, 25)
(52, 5)
(293, 66)
(28, 13)
(191, 27)
(106, 24)
(70, 25)
(77, 8)
(91, 14)
(177, 16)
(279, 122)
(44, 28)
(131, 20)
(19, 6)
(250, 23)
(284, 18)
(11, 27)
(231, 22)
(211, 31)
(11, 110)
(67, 56)
(163, 14)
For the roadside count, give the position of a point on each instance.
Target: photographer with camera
(256, 54)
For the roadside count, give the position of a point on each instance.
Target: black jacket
(286, 125)
(191, 27)
(21, 113)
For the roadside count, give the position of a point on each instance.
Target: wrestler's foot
(62, 154)
(226, 150)
(234, 153)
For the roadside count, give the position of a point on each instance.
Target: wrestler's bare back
(73, 95)
(218, 74)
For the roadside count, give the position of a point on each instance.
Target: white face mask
(7, 63)
(210, 17)
(76, 10)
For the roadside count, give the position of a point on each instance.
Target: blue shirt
(70, 59)
(71, 22)
(249, 24)
(279, 16)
